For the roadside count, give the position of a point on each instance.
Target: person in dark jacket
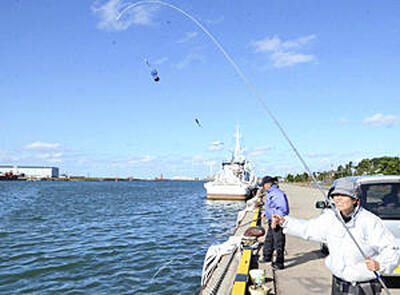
(275, 203)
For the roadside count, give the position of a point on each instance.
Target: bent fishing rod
(264, 106)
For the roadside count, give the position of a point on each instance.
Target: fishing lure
(154, 72)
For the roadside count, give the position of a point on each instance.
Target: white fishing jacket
(345, 260)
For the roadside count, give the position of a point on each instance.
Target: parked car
(380, 194)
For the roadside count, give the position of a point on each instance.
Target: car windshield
(382, 199)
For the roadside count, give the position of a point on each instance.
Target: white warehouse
(31, 171)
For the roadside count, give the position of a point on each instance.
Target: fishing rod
(263, 105)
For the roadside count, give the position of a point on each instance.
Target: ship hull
(227, 192)
(227, 197)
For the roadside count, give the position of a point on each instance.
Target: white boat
(236, 180)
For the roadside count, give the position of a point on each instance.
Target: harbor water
(139, 237)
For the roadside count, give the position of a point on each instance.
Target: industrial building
(30, 171)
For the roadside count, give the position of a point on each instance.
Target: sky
(76, 91)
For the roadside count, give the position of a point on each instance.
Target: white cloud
(287, 59)
(144, 159)
(276, 44)
(282, 53)
(188, 36)
(108, 13)
(143, 15)
(147, 158)
(216, 146)
(379, 119)
(217, 143)
(259, 151)
(298, 43)
(42, 146)
(267, 44)
(192, 57)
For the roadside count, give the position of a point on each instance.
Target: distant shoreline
(115, 179)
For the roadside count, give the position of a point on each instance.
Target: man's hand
(277, 219)
(372, 264)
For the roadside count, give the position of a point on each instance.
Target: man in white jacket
(352, 274)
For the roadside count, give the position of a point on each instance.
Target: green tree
(382, 165)
(388, 165)
(348, 169)
(364, 167)
(297, 178)
(304, 177)
(290, 178)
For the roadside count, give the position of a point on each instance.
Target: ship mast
(236, 154)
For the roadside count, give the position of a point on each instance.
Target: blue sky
(76, 93)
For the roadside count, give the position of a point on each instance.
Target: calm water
(107, 237)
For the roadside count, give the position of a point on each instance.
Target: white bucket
(257, 276)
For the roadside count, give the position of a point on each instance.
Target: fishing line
(162, 267)
(213, 238)
(264, 106)
(182, 255)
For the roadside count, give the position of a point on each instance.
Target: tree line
(382, 165)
